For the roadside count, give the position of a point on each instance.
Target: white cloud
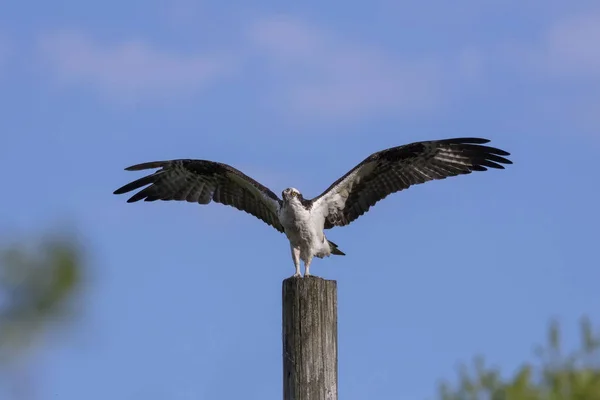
(572, 46)
(567, 61)
(318, 73)
(302, 69)
(184, 12)
(4, 52)
(470, 65)
(129, 71)
(567, 49)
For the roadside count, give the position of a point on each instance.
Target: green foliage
(36, 289)
(557, 377)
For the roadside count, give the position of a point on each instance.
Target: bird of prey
(303, 221)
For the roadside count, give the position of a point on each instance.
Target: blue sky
(184, 301)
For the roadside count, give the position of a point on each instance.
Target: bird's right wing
(201, 181)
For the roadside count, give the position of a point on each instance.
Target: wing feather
(202, 181)
(395, 169)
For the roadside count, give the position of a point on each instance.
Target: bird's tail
(334, 249)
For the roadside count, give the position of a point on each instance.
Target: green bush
(556, 377)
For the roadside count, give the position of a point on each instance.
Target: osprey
(303, 221)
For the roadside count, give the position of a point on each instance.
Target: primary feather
(201, 181)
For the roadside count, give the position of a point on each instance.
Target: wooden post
(309, 339)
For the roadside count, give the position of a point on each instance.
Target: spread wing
(201, 181)
(391, 170)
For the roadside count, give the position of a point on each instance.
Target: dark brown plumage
(379, 175)
(395, 169)
(201, 181)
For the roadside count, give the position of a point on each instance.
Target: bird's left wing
(202, 181)
(397, 168)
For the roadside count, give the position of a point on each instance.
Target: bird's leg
(296, 258)
(307, 267)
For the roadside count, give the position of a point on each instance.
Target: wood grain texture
(310, 365)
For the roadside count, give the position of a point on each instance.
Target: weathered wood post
(310, 365)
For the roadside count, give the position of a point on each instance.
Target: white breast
(299, 225)
(304, 230)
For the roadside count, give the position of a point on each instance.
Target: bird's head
(291, 194)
